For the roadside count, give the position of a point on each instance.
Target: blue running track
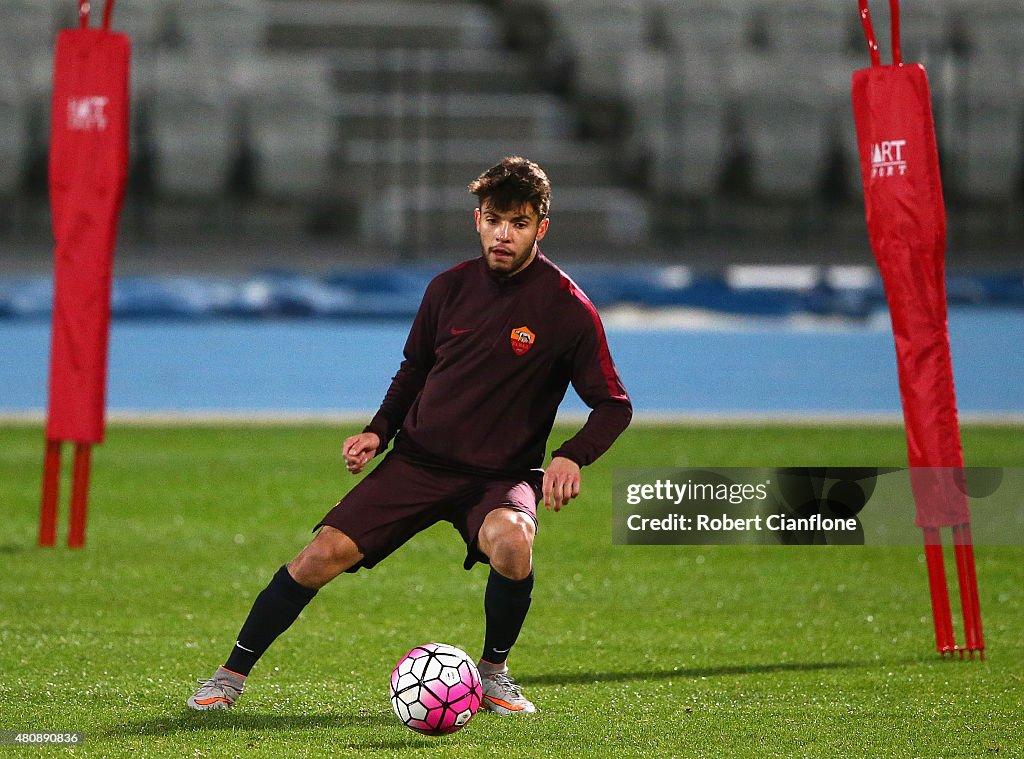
(760, 368)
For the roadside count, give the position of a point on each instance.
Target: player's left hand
(359, 449)
(561, 483)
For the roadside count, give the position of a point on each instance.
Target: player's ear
(476, 218)
(542, 228)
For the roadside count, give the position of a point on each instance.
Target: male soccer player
(492, 350)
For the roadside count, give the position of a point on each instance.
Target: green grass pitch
(629, 651)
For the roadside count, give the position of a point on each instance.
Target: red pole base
(967, 580)
(944, 641)
(963, 545)
(51, 487)
(79, 495)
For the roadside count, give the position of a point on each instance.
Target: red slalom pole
(944, 641)
(51, 487)
(963, 545)
(906, 216)
(79, 495)
(88, 171)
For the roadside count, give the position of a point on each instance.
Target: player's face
(509, 238)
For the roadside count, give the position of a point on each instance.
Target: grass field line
(270, 417)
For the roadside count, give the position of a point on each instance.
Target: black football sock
(275, 609)
(506, 603)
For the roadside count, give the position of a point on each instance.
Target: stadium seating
(289, 112)
(684, 93)
(605, 219)
(989, 159)
(14, 109)
(221, 28)
(802, 27)
(426, 70)
(713, 28)
(28, 26)
(992, 28)
(376, 24)
(373, 106)
(453, 161)
(681, 131)
(191, 129)
(846, 133)
(397, 184)
(423, 115)
(925, 32)
(784, 122)
(601, 33)
(148, 23)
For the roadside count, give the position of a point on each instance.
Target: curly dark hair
(512, 183)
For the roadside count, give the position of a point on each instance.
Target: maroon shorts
(399, 499)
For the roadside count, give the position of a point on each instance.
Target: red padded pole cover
(88, 172)
(906, 221)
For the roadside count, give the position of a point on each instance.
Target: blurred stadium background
(308, 134)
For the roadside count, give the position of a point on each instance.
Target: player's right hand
(359, 449)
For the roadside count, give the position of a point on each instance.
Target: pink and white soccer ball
(435, 689)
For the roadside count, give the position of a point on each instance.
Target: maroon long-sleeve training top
(487, 362)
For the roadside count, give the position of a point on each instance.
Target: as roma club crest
(522, 340)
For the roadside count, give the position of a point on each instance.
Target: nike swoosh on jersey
(455, 331)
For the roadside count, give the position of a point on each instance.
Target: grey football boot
(219, 692)
(503, 695)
